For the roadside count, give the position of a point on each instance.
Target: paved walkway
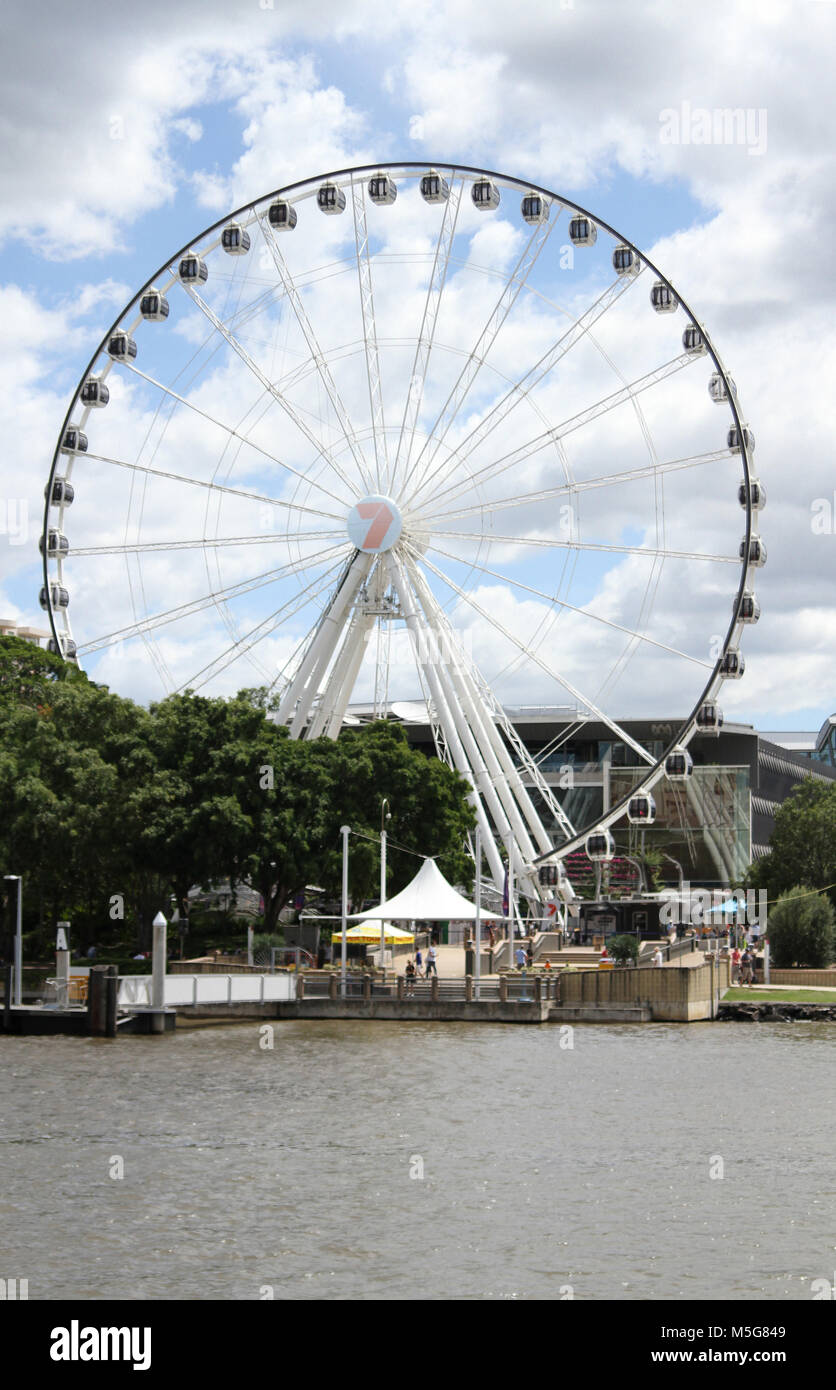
(827, 989)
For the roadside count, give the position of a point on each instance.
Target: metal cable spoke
(257, 634)
(212, 487)
(184, 610)
(629, 475)
(549, 544)
(290, 410)
(318, 357)
(366, 286)
(575, 422)
(204, 543)
(535, 657)
(570, 607)
(478, 354)
(243, 438)
(426, 333)
(545, 364)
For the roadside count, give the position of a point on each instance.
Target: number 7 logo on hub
(374, 524)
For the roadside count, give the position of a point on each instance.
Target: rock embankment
(776, 1012)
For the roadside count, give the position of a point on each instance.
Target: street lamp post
(345, 831)
(478, 896)
(18, 952)
(385, 815)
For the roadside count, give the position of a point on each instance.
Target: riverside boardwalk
(577, 988)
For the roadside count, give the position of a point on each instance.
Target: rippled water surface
(545, 1169)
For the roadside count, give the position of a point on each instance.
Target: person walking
(520, 957)
(746, 968)
(409, 974)
(735, 966)
(419, 962)
(431, 963)
(658, 958)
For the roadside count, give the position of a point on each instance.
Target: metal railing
(517, 988)
(185, 991)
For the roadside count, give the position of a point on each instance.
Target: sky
(127, 131)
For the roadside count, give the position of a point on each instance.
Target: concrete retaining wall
(802, 977)
(449, 1011)
(676, 994)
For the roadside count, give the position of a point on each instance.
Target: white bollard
(62, 976)
(158, 964)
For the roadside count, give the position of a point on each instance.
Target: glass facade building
(708, 829)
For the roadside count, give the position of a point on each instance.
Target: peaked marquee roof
(430, 898)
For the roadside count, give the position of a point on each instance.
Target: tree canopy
(803, 843)
(801, 930)
(105, 801)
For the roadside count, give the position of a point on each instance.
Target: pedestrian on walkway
(746, 967)
(431, 963)
(735, 966)
(520, 957)
(658, 958)
(410, 978)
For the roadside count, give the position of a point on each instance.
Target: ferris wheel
(404, 432)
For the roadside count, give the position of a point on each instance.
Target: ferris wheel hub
(374, 524)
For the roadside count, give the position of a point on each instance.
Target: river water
(359, 1160)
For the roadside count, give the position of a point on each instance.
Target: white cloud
(106, 122)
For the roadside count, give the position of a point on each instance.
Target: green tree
(624, 949)
(803, 844)
(28, 673)
(801, 930)
(428, 802)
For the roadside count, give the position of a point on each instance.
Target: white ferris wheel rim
(379, 488)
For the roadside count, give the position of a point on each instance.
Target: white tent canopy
(430, 898)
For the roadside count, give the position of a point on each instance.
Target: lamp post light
(385, 815)
(478, 898)
(345, 831)
(18, 951)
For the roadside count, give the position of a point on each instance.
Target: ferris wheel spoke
(364, 275)
(203, 543)
(242, 645)
(581, 545)
(520, 392)
(570, 607)
(318, 357)
(185, 610)
(532, 656)
(575, 422)
(629, 475)
(290, 410)
(426, 333)
(211, 487)
(243, 439)
(478, 354)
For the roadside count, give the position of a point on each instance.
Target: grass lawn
(782, 996)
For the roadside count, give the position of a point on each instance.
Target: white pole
(511, 923)
(18, 947)
(19, 943)
(385, 803)
(249, 944)
(158, 962)
(478, 897)
(345, 831)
